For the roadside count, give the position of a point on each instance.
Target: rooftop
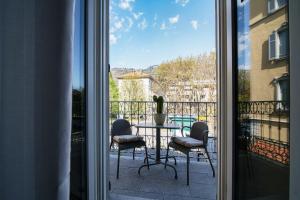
(135, 75)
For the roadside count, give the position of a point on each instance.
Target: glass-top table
(158, 128)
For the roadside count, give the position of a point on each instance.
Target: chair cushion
(187, 142)
(127, 138)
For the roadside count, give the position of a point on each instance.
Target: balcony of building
(263, 138)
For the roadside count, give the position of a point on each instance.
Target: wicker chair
(197, 140)
(121, 134)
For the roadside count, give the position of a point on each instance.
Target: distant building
(135, 86)
(192, 91)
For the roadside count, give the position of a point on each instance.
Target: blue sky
(148, 32)
(243, 35)
(78, 50)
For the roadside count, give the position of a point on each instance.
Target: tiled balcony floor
(159, 183)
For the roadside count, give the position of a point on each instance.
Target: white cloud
(174, 20)
(126, 4)
(163, 26)
(243, 37)
(182, 2)
(194, 24)
(143, 25)
(243, 42)
(244, 66)
(240, 3)
(119, 24)
(154, 20)
(130, 23)
(136, 16)
(112, 39)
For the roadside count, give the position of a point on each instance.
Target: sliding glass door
(78, 179)
(261, 130)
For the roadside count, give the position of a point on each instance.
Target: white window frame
(279, 42)
(270, 10)
(277, 55)
(276, 6)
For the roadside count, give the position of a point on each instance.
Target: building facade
(135, 86)
(268, 50)
(269, 78)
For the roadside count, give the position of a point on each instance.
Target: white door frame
(98, 98)
(225, 98)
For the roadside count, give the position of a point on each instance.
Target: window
(283, 46)
(282, 90)
(278, 44)
(274, 5)
(272, 46)
(282, 93)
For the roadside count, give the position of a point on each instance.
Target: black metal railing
(263, 125)
(180, 113)
(264, 129)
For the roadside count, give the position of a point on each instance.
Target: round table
(158, 158)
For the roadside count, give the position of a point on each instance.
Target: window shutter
(272, 46)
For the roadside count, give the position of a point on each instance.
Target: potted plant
(159, 117)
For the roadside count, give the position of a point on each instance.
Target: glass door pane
(78, 179)
(262, 101)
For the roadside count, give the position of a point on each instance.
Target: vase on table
(159, 119)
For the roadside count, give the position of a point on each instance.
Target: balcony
(263, 137)
(159, 183)
(263, 133)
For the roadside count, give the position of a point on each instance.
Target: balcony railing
(180, 113)
(264, 129)
(263, 125)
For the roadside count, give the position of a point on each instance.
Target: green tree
(113, 95)
(244, 85)
(187, 79)
(132, 90)
(113, 89)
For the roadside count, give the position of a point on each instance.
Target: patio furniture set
(121, 134)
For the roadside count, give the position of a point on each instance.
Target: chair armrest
(183, 128)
